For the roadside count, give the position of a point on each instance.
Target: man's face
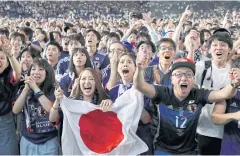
(182, 80)
(219, 50)
(146, 48)
(166, 53)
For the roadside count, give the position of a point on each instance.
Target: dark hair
(105, 33)
(88, 63)
(48, 84)
(101, 95)
(96, 33)
(46, 36)
(221, 36)
(120, 32)
(32, 51)
(169, 40)
(133, 57)
(54, 43)
(134, 31)
(118, 42)
(113, 34)
(17, 34)
(4, 31)
(144, 34)
(148, 42)
(28, 31)
(202, 35)
(77, 37)
(27, 24)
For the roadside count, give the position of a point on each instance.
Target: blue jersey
(66, 83)
(100, 60)
(62, 67)
(231, 137)
(174, 122)
(63, 54)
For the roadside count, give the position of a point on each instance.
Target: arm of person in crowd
(18, 105)
(147, 20)
(178, 29)
(192, 43)
(145, 117)
(6, 47)
(113, 74)
(53, 115)
(229, 91)
(219, 117)
(134, 26)
(138, 79)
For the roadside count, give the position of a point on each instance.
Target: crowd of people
(187, 66)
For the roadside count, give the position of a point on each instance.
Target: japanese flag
(89, 131)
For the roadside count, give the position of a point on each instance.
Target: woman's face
(87, 83)
(38, 73)
(126, 68)
(27, 58)
(79, 59)
(3, 62)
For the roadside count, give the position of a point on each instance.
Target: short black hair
(27, 31)
(77, 37)
(144, 34)
(113, 34)
(221, 36)
(148, 43)
(96, 33)
(169, 40)
(17, 34)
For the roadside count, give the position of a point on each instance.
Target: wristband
(38, 94)
(25, 71)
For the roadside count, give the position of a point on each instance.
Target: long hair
(48, 84)
(99, 91)
(88, 63)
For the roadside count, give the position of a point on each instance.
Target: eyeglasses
(179, 75)
(163, 48)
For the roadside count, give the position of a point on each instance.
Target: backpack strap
(208, 64)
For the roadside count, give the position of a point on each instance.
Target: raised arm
(113, 56)
(183, 19)
(219, 117)
(138, 79)
(6, 47)
(229, 91)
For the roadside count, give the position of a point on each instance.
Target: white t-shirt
(218, 79)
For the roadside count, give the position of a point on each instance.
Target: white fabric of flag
(89, 131)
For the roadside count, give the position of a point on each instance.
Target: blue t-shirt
(231, 137)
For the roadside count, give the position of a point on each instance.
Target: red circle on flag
(100, 131)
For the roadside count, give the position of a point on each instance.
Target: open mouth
(89, 41)
(87, 88)
(183, 87)
(219, 54)
(167, 57)
(125, 72)
(79, 61)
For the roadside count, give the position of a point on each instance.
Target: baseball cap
(184, 62)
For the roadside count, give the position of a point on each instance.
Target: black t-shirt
(176, 131)
(7, 90)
